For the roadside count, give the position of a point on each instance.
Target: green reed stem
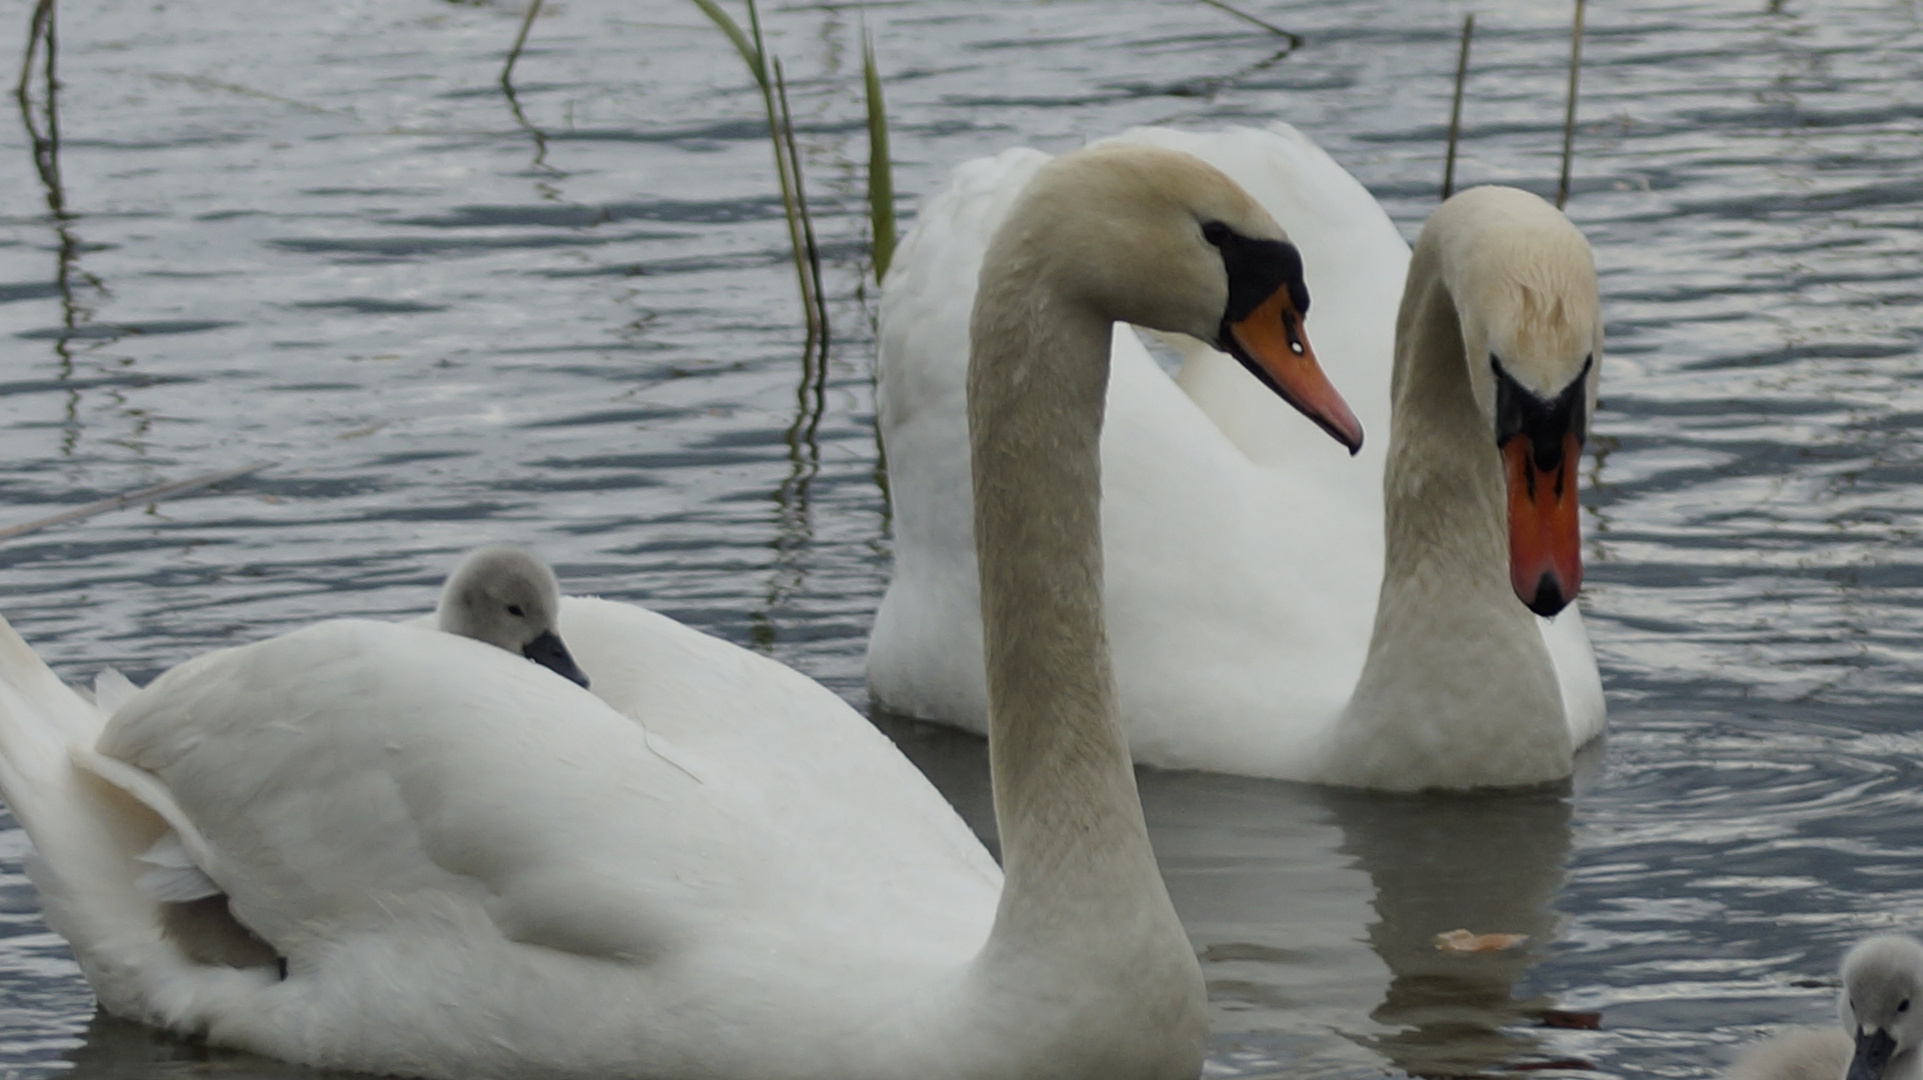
(881, 170)
(1569, 116)
(1455, 107)
(774, 100)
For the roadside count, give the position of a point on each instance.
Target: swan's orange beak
(1545, 537)
(1270, 342)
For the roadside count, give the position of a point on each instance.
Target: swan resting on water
(437, 860)
(1276, 609)
(1880, 1036)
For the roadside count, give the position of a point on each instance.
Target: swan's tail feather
(111, 689)
(86, 833)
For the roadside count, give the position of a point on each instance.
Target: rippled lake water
(325, 240)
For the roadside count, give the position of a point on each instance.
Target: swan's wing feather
(171, 876)
(725, 715)
(350, 765)
(111, 690)
(177, 867)
(350, 769)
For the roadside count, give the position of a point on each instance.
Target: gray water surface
(323, 238)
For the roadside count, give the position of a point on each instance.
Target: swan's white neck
(1084, 911)
(1448, 626)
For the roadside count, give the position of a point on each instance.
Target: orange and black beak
(1541, 442)
(1262, 328)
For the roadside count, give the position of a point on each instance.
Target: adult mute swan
(465, 866)
(1880, 1036)
(1255, 629)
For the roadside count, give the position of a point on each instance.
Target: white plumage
(1244, 553)
(436, 858)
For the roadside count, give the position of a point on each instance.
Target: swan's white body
(1881, 1003)
(470, 864)
(1244, 553)
(436, 858)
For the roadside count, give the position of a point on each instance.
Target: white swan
(456, 864)
(1253, 628)
(1880, 1010)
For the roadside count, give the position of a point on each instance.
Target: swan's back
(469, 863)
(457, 769)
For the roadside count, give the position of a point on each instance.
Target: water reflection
(1311, 908)
(1486, 864)
(42, 123)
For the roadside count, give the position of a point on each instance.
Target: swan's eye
(1903, 1006)
(515, 610)
(1215, 233)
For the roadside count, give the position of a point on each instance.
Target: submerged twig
(39, 25)
(45, 136)
(150, 494)
(42, 124)
(1295, 40)
(520, 39)
(1569, 116)
(1455, 107)
(881, 169)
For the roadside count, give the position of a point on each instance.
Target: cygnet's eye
(515, 610)
(1903, 1006)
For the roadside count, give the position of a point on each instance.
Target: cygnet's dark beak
(1873, 1050)
(548, 652)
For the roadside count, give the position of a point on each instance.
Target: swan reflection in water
(1298, 897)
(1487, 864)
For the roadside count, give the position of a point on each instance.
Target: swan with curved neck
(449, 863)
(1495, 374)
(1274, 608)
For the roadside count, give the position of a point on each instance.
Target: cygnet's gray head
(1882, 1007)
(505, 596)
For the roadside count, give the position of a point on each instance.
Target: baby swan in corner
(506, 596)
(1881, 1023)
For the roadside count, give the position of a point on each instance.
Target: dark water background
(318, 235)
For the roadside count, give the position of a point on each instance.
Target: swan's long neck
(1448, 627)
(1083, 901)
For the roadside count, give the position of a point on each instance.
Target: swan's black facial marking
(1545, 423)
(1262, 328)
(1256, 269)
(1540, 441)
